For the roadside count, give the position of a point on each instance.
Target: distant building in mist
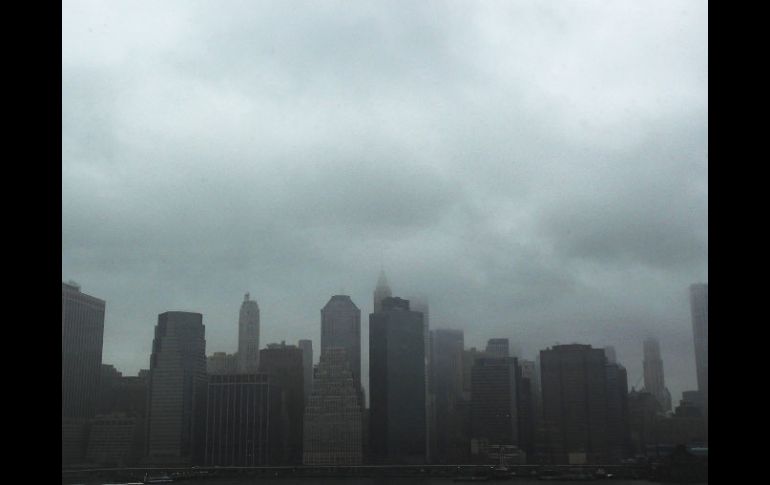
(286, 368)
(643, 411)
(699, 306)
(248, 336)
(498, 347)
(654, 381)
(82, 334)
(177, 389)
(333, 415)
(244, 421)
(580, 393)
(397, 384)
(341, 328)
(612, 356)
(494, 405)
(307, 365)
(420, 304)
(469, 357)
(381, 291)
(222, 363)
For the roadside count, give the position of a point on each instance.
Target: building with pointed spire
(381, 292)
(248, 336)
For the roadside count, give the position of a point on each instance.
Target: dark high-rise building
(580, 404)
(122, 395)
(248, 336)
(244, 421)
(699, 306)
(618, 433)
(82, 333)
(381, 291)
(528, 396)
(420, 304)
(333, 418)
(451, 439)
(177, 389)
(469, 357)
(643, 410)
(307, 365)
(116, 440)
(341, 328)
(494, 408)
(397, 384)
(654, 381)
(498, 347)
(284, 364)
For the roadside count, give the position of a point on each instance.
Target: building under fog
(341, 328)
(654, 381)
(699, 306)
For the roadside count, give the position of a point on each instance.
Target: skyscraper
(341, 328)
(381, 292)
(248, 336)
(654, 381)
(82, 333)
(333, 419)
(578, 392)
(177, 389)
(699, 306)
(494, 408)
(447, 383)
(397, 384)
(284, 364)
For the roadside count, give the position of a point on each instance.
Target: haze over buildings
(530, 168)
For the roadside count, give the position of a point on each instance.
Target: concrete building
(285, 366)
(122, 395)
(333, 415)
(699, 306)
(654, 381)
(222, 363)
(82, 333)
(307, 365)
(420, 304)
(341, 328)
(245, 421)
(74, 440)
(578, 405)
(248, 336)
(494, 405)
(177, 390)
(643, 410)
(397, 384)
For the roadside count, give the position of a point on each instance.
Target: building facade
(398, 419)
(82, 334)
(244, 421)
(451, 439)
(177, 389)
(578, 402)
(222, 363)
(284, 365)
(494, 405)
(307, 365)
(333, 415)
(498, 347)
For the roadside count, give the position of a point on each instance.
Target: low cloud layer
(538, 171)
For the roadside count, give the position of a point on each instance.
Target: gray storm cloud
(537, 170)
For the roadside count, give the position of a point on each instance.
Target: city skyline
(537, 171)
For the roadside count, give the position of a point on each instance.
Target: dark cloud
(538, 172)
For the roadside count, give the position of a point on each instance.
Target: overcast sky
(538, 170)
